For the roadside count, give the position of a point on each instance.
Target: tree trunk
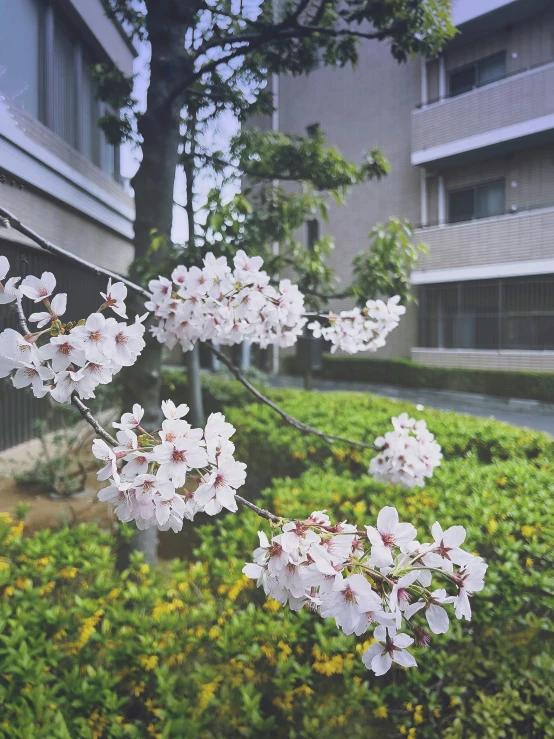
(153, 184)
(197, 417)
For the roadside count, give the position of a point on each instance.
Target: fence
(19, 409)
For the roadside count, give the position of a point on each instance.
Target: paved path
(528, 413)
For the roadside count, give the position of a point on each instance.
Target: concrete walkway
(527, 413)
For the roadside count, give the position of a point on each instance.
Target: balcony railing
(512, 211)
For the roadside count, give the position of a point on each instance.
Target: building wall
(358, 110)
(66, 228)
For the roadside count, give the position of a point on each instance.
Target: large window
(480, 73)
(45, 70)
(20, 26)
(514, 313)
(478, 201)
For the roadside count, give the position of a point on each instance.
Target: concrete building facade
(64, 175)
(470, 138)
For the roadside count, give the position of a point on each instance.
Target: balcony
(468, 250)
(514, 112)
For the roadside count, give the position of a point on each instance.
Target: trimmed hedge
(194, 651)
(405, 373)
(505, 383)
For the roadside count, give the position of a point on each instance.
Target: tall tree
(200, 52)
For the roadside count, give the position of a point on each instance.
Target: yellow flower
(68, 573)
(6, 518)
(272, 605)
(22, 583)
(411, 734)
(148, 662)
(4, 565)
(528, 531)
(418, 715)
(493, 525)
(529, 561)
(144, 569)
(454, 702)
(48, 588)
(381, 712)
(403, 730)
(502, 481)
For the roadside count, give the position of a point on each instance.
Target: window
(312, 232)
(515, 313)
(19, 53)
(478, 74)
(64, 90)
(479, 201)
(45, 70)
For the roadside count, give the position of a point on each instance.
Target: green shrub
(403, 372)
(218, 391)
(273, 448)
(192, 650)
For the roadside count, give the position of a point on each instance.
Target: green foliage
(116, 90)
(269, 155)
(194, 651)
(403, 372)
(385, 268)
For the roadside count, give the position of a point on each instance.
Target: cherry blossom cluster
(358, 330)
(60, 358)
(379, 580)
(160, 479)
(409, 453)
(226, 305)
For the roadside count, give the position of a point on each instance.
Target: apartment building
(64, 175)
(58, 173)
(470, 138)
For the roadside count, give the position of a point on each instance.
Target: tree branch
(260, 511)
(58, 251)
(303, 427)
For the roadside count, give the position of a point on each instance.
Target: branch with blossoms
(378, 579)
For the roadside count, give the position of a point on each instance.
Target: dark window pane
(491, 69)
(64, 123)
(461, 205)
(490, 200)
(462, 81)
(313, 232)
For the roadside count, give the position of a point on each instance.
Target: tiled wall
(357, 110)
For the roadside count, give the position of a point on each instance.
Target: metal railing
(511, 211)
(19, 409)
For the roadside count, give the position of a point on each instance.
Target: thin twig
(260, 511)
(89, 418)
(58, 251)
(303, 427)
